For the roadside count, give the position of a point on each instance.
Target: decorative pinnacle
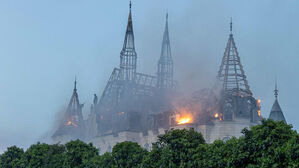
(75, 85)
(130, 5)
(275, 90)
(231, 25)
(166, 16)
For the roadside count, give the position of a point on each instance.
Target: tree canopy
(270, 144)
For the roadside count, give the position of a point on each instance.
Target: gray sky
(44, 44)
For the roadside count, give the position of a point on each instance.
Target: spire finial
(130, 5)
(231, 24)
(166, 16)
(275, 90)
(75, 84)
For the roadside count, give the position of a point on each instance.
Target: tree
(11, 158)
(174, 149)
(270, 144)
(79, 154)
(266, 144)
(128, 154)
(106, 161)
(44, 155)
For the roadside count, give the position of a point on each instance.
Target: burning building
(237, 99)
(72, 124)
(130, 98)
(138, 107)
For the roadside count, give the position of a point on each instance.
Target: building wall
(222, 130)
(106, 143)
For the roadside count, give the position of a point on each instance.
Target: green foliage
(270, 144)
(79, 154)
(11, 157)
(128, 154)
(44, 155)
(174, 149)
(106, 161)
(267, 144)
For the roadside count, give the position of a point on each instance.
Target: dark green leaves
(270, 144)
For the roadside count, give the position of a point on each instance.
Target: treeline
(271, 144)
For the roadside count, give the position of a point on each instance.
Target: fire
(259, 101)
(71, 122)
(216, 115)
(183, 116)
(184, 120)
(259, 112)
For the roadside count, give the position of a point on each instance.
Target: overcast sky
(44, 44)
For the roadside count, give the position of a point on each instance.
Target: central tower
(128, 56)
(237, 101)
(231, 71)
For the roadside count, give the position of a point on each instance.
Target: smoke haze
(44, 44)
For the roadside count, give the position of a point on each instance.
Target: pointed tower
(165, 64)
(276, 113)
(237, 101)
(231, 72)
(72, 122)
(128, 56)
(74, 110)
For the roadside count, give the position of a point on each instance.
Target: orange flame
(70, 123)
(259, 112)
(216, 115)
(184, 120)
(258, 102)
(184, 117)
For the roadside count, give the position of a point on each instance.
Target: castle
(138, 107)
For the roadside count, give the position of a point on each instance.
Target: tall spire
(231, 71)
(128, 56)
(165, 63)
(276, 113)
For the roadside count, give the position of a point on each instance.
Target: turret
(72, 123)
(276, 113)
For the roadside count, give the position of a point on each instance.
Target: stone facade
(222, 130)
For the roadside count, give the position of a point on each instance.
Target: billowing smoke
(200, 107)
(59, 117)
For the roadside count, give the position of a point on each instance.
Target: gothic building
(130, 97)
(138, 107)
